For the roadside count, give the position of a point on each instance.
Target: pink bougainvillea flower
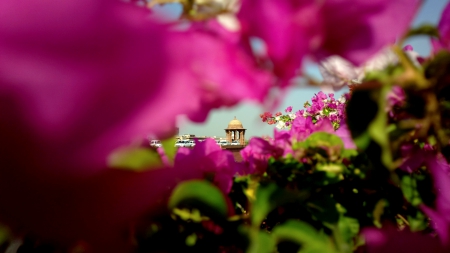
(215, 72)
(390, 240)
(355, 29)
(444, 29)
(257, 153)
(414, 158)
(302, 127)
(282, 139)
(79, 77)
(268, 21)
(77, 80)
(98, 210)
(396, 98)
(364, 26)
(439, 214)
(344, 133)
(208, 158)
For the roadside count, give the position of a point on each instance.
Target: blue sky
(248, 113)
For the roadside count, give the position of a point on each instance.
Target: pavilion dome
(235, 124)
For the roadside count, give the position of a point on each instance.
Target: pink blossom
(288, 109)
(302, 127)
(282, 140)
(209, 158)
(258, 151)
(344, 133)
(355, 29)
(414, 158)
(390, 240)
(439, 214)
(396, 97)
(444, 29)
(213, 70)
(79, 79)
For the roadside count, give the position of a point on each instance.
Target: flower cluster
(322, 106)
(282, 121)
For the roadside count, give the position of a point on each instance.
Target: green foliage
(349, 228)
(199, 193)
(305, 235)
(370, 122)
(262, 204)
(323, 208)
(425, 29)
(409, 188)
(169, 149)
(261, 242)
(134, 158)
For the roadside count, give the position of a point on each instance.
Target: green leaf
(419, 222)
(305, 235)
(348, 153)
(332, 169)
(186, 214)
(320, 139)
(134, 158)
(378, 128)
(349, 228)
(263, 204)
(261, 242)
(368, 120)
(191, 239)
(324, 208)
(200, 194)
(169, 148)
(425, 29)
(409, 188)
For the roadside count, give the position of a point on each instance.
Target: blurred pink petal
(444, 29)
(413, 157)
(77, 80)
(389, 240)
(439, 215)
(282, 140)
(358, 29)
(272, 21)
(97, 210)
(79, 77)
(215, 71)
(302, 127)
(355, 30)
(344, 133)
(256, 155)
